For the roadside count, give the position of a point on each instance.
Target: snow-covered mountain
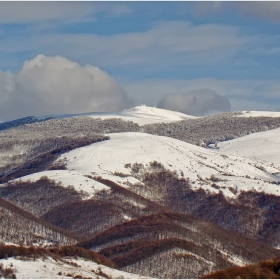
(109, 159)
(94, 173)
(140, 114)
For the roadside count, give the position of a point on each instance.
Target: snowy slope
(259, 114)
(106, 158)
(139, 114)
(48, 268)
(69, 178)
(145, 115)
(263, 145)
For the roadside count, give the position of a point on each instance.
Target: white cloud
(242, 94)
(196, 102)
(51, 85)
(165, 44)
(242, 104)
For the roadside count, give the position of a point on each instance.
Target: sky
(198, 58)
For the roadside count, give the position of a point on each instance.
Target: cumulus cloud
(53, 85)
(251, 94)
(197, 102)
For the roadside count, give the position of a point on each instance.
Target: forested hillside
(213, 129)
(171, 245)
(269, 269)
(20, 227)
(32, 147)
(151, 198)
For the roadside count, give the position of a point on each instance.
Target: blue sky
(201, 50)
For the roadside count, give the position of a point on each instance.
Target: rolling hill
(140, 114)
(145, 187)
(190, 246)
(262, 146)
(20, 227)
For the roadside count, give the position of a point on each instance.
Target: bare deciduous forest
(160, 227)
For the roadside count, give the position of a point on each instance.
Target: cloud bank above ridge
(53, 85)
(196, 102)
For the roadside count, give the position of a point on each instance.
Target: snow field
(140, 114)
(49, 268)
(70, 178)
(259, 114)
(263, 146)
(146, 115)
(233, 171)
(106, 158)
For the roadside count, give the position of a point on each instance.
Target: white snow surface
(263, 145)
(237, 173)
(140, 114)
(48, 268)
(108, 158)
(69, 178)
(259, 114)
(146, 115)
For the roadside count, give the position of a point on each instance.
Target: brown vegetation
(85, 218)
(40, 196)
(19, 227)
(252, 214)
(165, 225)
(106, 209)
(56, 253)
(7, 272)
(139, 243)
(269, 269)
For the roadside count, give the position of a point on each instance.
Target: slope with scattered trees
(212, 129)
(38, 197)
(7, 251)
(152, 227)
(252, 214)
(269, 269)
(20, 227)
(30, 148)
(189, 245)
